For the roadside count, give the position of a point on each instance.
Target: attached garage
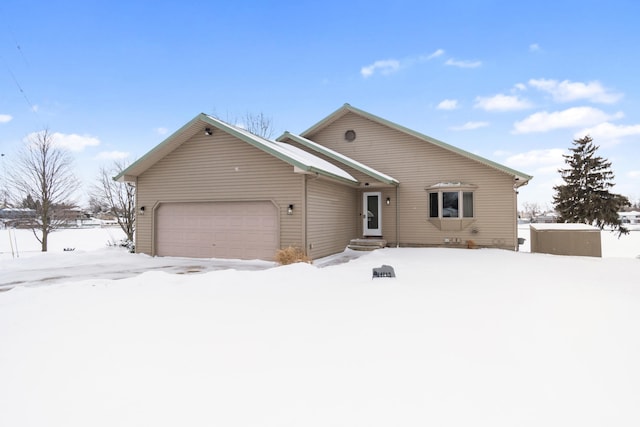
(238, 230)
(214, 190)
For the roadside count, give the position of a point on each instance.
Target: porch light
(290, 210)
(388, 201)
(142, 210)
(208, 132)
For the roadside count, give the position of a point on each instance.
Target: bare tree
(530, 209)
(43, 172)
(258, 124)
(118, 197)
(4, 191)
(96, 205)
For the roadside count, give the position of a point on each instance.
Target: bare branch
(259, 124)
(43, 173)
(118, 197)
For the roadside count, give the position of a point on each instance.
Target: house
(214, 190)
(632, 217)
(545, 218)
(17, 217)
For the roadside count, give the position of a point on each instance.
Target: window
(467, 204)
(433, 205)
(450, 204)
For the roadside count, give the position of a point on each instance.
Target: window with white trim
(448, 200)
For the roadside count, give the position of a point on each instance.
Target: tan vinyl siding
(387, 190)
(417, 165)
(220, 168)
(332, 218)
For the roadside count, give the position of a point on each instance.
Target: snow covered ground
(94, 254)
(458, 338)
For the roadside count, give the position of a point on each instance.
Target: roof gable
(347, 161)
(520, 177)
(294, 156)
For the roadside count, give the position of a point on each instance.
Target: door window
(373, 219)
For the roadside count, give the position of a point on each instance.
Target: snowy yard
(459, 338)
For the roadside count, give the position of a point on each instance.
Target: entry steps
(367, 244)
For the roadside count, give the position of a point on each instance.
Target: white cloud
(609, 132)
(390, 66)
(567, 91)
(35, 108)
(448, 104)
(471, 126)
(502, 102)
(573, 117)
(161, 131)
(534, 47)
(538, 161)
(387, 66)
(5, 118)
(463, 64)
(112, 155)
(520, 87)
(71, 142)
(435, 54)
(75, 142)
(633, 174)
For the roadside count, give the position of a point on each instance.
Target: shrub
(291, 255)
(471, 244)
(124, 243)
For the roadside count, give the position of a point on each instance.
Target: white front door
(372, 214)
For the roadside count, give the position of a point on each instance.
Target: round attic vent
(350, 135)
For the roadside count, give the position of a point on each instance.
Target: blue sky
(512, 81)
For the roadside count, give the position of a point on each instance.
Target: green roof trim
(270, 148)
(164, 145)
(523, 178)
(277, 150)
(340, 158)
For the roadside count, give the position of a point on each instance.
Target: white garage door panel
(245, 230)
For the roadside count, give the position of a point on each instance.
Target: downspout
(515, 225)
(397, 218)
(135, 219)
(305, 216)
(515, 188)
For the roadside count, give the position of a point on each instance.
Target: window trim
(451, 187)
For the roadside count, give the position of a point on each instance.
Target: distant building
(632, 217)
(545, 218)
(17, 217)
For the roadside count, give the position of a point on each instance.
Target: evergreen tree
(585, 197)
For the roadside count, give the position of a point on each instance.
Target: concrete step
(367, 244)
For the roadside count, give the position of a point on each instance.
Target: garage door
(242, 230)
